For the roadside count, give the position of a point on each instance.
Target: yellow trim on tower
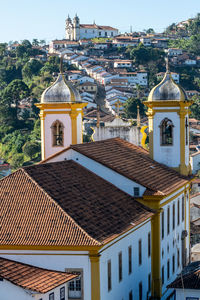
(95, 275)
(60, 105)
(150, 115)
(73, 114)
(167, 103)
(42, 119)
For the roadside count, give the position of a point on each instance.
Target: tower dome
(61, 91)
(68, 20)
(167, 90)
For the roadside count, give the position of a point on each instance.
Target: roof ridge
(59, 207)
(29, 265)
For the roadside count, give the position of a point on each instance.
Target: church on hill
(76, 31)
(113, 212)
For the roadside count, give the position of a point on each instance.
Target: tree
(17, 160)
(26, 44)
(52, 65)
(150, 31)
(143, 55)
(195, 108)
(42, 42)
(2, 49)
(12, 94)
(31, 68)
(20, 51)
(130, 108)
(171, 28)
(35, 42)
(30, 149)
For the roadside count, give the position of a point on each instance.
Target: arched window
(57, 133)
(166, 132)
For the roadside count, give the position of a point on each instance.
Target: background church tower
(69, 29)
(168, 114)
(61, 112)
(76, 28)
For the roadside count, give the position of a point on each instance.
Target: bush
(30, 149)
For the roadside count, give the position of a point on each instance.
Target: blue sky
(45, 19)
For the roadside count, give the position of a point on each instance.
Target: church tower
(76, 28)
(168, 114)
(61, 112)
(69, 29)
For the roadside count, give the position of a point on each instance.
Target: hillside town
(100, 164)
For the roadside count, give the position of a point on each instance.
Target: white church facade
(76, 31)
(109, 210)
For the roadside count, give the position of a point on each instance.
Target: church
(111, 211)
(76, 31)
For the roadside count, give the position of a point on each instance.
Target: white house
(174, 51)
(22, 281)
(146, 41)
(190, 62)
(195, 162)
(187, 284)
(84, 79)
(122, 63)
(175, 76)
(134, 78)
(60, 45)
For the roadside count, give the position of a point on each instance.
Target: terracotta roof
(190, 277)
(94, 26)
(32, 278)
(195, 154)
(29, 216)
(133, 162)
(64, 204)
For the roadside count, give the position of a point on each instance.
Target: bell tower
(168, 114)
(61, 111)
(76, 27)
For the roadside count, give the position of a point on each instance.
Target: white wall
(9, 291)
(55, 260)
(79, 128)
(49, 120)
(168, 155)
(195, 163)
(120, 290)
(167, 244)
(183, 294)
(56, 292)
(130, 134)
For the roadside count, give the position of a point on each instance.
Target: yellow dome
(167, 90)
(60, 91)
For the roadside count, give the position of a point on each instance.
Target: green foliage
(35, 42)
(101, 40)
(17, 160)
(31, 68)
(150, 31)
(12, 94)
(195, 108)
(130, 108)
(192, 45)
(143, 55)
(31, 149)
